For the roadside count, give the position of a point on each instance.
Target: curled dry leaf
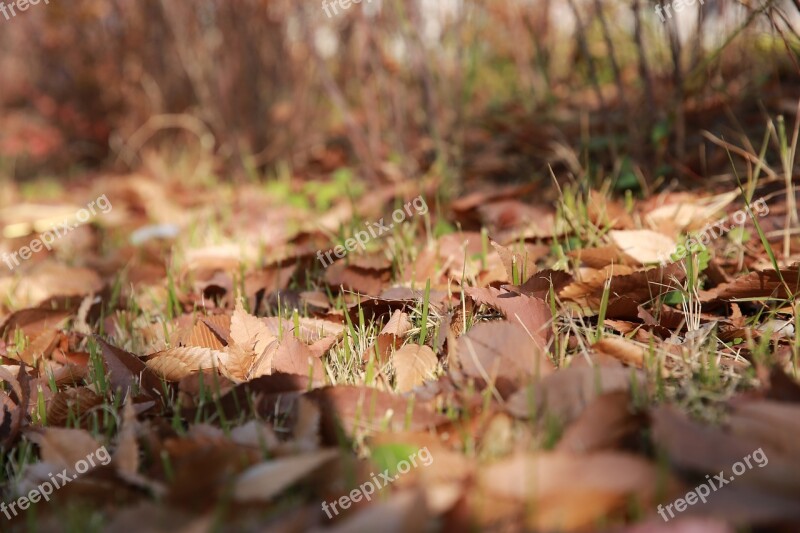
(74, 401)
(413, 364)
(176, 363)
(637, 287)
(390, 338)
(623, 349)
(14, 406)
(202, 336)
(126, 370)
(760, 284)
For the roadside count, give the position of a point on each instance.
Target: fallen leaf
(413, 364)
(262, 482)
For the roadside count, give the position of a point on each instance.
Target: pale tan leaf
(203, 337)
(390, 337)
(644, 246)
(266, 480)
(238, 362)
(256, 434)
(413, 364)
(250, 332)
(126, 456)
(294, 357)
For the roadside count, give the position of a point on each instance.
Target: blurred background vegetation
(466, 89)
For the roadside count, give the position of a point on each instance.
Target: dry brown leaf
(202, 336)
(599, 257)
(390, 338)
(606, 424)
(709, 449)
(637, 287)
(607, 480)
(523, 262)
(361, 280)
(413, 364)
(125, 370)
(290, 356)
(531, 313)
(306, 428)
(40, 347)
(352, 409)
(758, 419)
(764, 283)
(566, 393)
(49, 279)
(176, 363)
(236, 366)
(77, 401)
(503, 351)
(250, 332)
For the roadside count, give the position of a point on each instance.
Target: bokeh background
(500, 90)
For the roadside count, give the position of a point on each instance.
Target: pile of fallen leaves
(557, 378)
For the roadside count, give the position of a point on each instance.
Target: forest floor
(328, 354)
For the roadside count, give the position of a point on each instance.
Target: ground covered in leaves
(552, 361)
